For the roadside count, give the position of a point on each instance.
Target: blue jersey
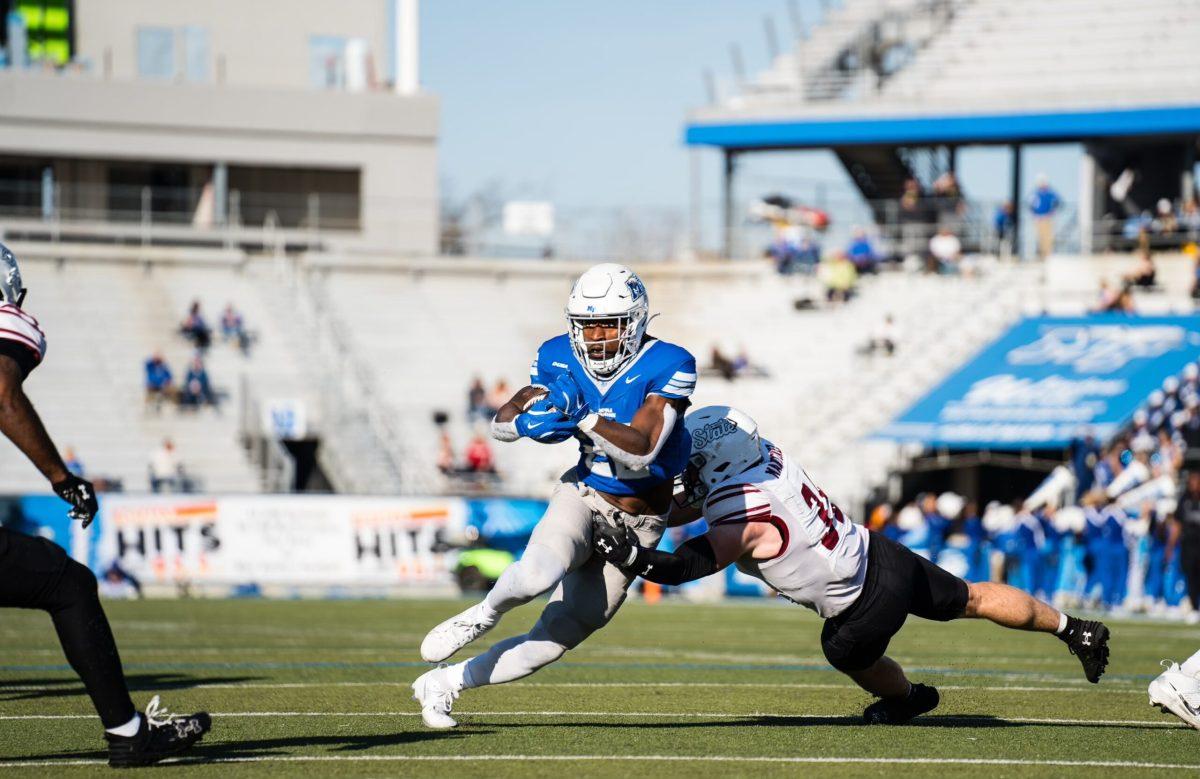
(659, 368)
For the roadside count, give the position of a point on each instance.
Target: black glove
(619, 544)
(81, 495)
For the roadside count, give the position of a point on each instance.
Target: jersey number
(830, 514)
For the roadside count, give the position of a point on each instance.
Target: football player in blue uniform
(621, 394)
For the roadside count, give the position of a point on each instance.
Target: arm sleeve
(24, 356)
(21, 338)
(637, 462)
(694, 560)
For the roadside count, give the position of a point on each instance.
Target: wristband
(588, 423)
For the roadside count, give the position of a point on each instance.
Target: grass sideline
(673, 689)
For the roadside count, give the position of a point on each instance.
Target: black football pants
(38, 574)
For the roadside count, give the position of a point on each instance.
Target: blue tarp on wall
(1049, 379)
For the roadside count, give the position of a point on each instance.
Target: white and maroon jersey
(21, 337)
(823, 561)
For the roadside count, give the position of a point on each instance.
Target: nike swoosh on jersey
(631, 379)
(539, 424)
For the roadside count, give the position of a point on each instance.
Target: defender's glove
(565, 395)
(543, 422)
(81, 495)
(618, 545)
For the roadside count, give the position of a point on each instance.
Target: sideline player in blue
(621, 394)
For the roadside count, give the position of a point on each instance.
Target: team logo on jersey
(636, 289)
(713, 431)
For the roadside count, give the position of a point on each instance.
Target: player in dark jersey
(37, 574)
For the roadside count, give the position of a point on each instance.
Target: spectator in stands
(477, 405)
(166, 471)
(1188, 516)
(1189, 220)
(445, 456)
(1043, 205)
(478, 456)
(723, 364)
(233, 328)
(794, 250)
(948, 200)
(499, 395)
(1193, 251)
(883, 339)
(1114, 299)
(945, 251)
(195, 329)
(1085, 456)
(1143, 272)
(1165, 221)
(1005, 224)
(914, 220)
(862, 252)
(197, 390)
(119, 583)
(839, 277)
(159, 382)
(72, 461)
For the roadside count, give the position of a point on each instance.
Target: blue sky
(583, 104)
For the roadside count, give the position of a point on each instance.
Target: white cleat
(455, 633)
(436, 697)
(1174, 692)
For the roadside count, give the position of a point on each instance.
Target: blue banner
(1049, 380)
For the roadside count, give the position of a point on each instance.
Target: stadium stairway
(102, 321)
(428, 332)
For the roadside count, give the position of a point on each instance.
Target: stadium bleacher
(994, 51)
(102, 321)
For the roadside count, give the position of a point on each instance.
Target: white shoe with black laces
(1175, 692)
(436, 696)
(456, 632)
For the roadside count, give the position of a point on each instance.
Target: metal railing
(277, 467)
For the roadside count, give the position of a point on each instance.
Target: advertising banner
(1050, 379)
(280, 539)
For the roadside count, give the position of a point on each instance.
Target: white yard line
(983, 720)
(640, 758)
(1109, 687)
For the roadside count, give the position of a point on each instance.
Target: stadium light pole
(772, 38)
(1015, 198)
(406, 46)
(727, 202)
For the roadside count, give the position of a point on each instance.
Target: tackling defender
(620, 392)
(766, 516)
(37, 574)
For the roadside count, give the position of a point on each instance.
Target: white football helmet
(11, 289)
(725, 442)
(608, 291)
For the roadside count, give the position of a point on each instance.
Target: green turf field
(668, 690)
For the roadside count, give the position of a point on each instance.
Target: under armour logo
(649, 568)
(604, 545)
(1087, 638)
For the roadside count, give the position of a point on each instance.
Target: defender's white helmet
(608, 291)
(11, 289)
(725, 442)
